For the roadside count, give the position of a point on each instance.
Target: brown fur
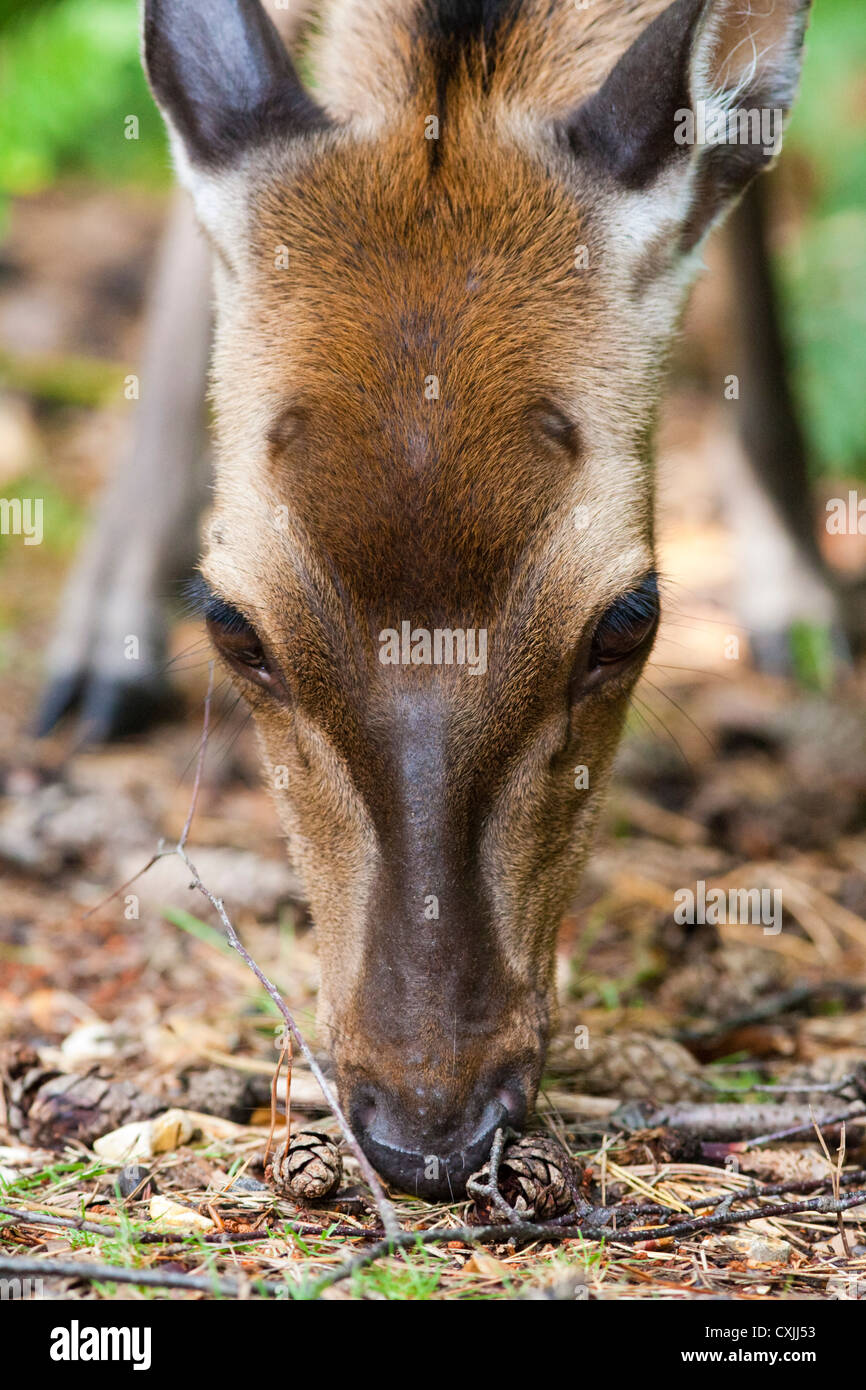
(349, 501)
(454, 512)
(371, 61)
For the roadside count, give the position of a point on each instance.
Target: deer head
(446, 289)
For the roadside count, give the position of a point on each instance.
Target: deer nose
(431, 1157)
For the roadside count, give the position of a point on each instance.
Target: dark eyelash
(637, 607)
(203, 601)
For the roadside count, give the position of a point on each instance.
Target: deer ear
(222, 77)
(695, 106)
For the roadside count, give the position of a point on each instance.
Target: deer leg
(782, 578)
(107, 659)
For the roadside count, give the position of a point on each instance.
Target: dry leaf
(144, 1138)
(176, 1217)
(481, 1263)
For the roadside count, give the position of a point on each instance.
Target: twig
(829, 1122)
(490, 1189)
(195, 1283)
(383, 1206)
(586, 1230)
(635, 1211)
(158, 854)
(504, 1234)
(95, 1228)
(17, 1265)
(729, 1122)
(828, 1205)
(806, 1088)
(386, 1212)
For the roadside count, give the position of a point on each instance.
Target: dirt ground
(666, 1034)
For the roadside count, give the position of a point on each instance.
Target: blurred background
(727, 774)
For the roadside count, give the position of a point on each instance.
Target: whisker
(674, 740)
(704, 735)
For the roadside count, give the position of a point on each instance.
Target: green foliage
(71, 75)
(202, 931)
(62, 518)
(415, 1279)
(812, 652)
(823, 270)
(825, 284)
(63, 379)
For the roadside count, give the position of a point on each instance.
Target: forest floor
(112, 1012)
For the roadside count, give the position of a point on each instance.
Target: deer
(447, 278)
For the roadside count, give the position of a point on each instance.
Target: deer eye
(238, 643)
(627, 626)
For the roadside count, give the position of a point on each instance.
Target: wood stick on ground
(468, 1235)
(386, 1212)
(22, 1217)
(825, 1122)
(17, 1266)
(586, 1230)
(749, 1123)
(634, 1211)
(274, 1081)
(824, 1205)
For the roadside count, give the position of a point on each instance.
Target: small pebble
(134, 1179)
(245, 1184)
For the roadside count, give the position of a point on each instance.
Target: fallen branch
(818, 1125)
(852, 1081)
(770, 1008)
(753, 1124)
(824, 1205)
(135, 1237)
(589, 1229)
(196, 1283)
(586, 1230)
(17, 1266)
(777, 1189)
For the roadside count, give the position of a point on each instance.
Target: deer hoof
(108, 708)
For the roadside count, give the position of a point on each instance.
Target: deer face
(430, 564)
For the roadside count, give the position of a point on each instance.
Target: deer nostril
(363, 1108)
(513, 1100)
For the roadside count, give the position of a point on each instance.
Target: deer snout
(423, 1144)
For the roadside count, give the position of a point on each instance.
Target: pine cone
(311, 1169)
(218, 1091)
(20, 1091)
(49, 1109)
(536, 1177)
(630, 1066)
